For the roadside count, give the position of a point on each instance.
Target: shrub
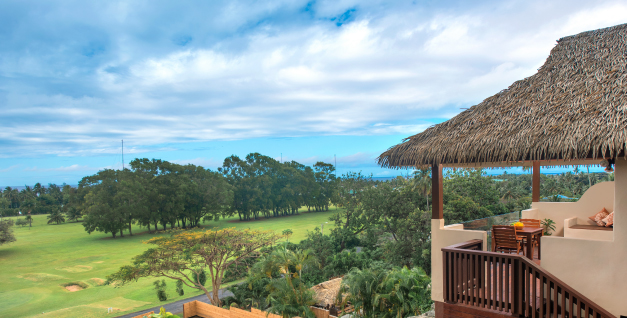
(201, 278)
(179, 288)
(160, 287)
(6, 232)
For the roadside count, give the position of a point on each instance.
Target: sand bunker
(73, 288)
(75, 269)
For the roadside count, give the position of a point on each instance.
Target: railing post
(516, 306)
(445, 273)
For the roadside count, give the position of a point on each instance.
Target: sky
(197, 81)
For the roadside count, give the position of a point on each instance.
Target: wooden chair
(506, 240)
(519, 238)
(532, 223)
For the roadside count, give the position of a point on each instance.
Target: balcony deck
(488, 284)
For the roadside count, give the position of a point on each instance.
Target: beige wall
(599, 196)
(443, 236)
(595, 268)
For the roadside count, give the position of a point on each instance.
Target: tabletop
(528, 229)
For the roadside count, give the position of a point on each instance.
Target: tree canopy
(186, 255)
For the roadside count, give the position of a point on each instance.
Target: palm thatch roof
(573, 108)
(326, 292)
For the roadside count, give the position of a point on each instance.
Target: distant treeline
(568, 186)
(36, 200)
(159, 195)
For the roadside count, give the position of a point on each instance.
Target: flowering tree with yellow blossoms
(184, 256)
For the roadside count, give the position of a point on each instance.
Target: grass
(45, 258)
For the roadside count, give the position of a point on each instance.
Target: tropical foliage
(379, 292)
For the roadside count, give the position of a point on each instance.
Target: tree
(302, 259)
(470, 195)
(262, 186)
(325, 178)
(5, 207)
(287, 233)
(422, 183)
(252, 293)
(380, 292)
(183, 256)
(290, 299)
(29, 218)
(56, 217)
(253, 183)
(160, 192)
(351, 221)
(27, 206)
(6, 232)
(45, 204)
(362, 287)
(103, 212)
(73, 214)
(394, 210)
(404, 293)
(288, 295)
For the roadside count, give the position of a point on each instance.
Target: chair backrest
(504, 236)
(531, 222)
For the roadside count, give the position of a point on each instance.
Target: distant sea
(383, 178)
(20, 188)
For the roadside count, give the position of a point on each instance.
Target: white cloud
(74, 167)
(13, 167)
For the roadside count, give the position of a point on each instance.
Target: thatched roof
(575, 107)
(326, 292)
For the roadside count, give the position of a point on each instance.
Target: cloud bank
(77, 76)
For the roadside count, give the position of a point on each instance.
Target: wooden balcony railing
(511, 284)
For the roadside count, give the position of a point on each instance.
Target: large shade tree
(184, 256)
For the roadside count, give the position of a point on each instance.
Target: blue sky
(196, 81)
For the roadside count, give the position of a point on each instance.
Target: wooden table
(529, 233)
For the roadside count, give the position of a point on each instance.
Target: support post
(535, 183)
(437, 211)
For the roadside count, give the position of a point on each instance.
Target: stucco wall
(443, 236)
(595, 268)
(599, 196)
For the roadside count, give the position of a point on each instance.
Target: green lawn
(33, 268)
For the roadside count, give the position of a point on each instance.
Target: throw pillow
(599, 216)
(609, 219)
